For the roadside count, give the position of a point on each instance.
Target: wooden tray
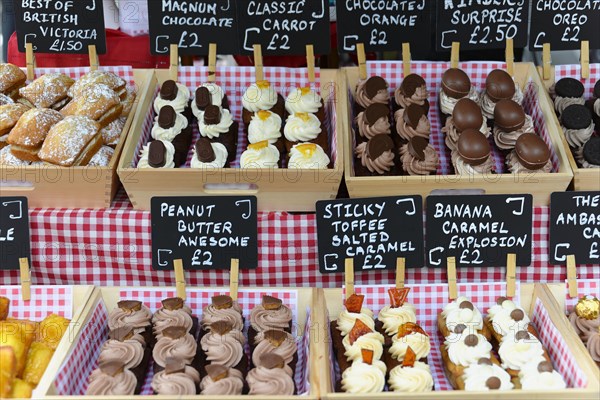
(539, 185)
(109, 296)
(276, 190)
(77, 187)
(331, 301)
(80, 295)
(584, 179)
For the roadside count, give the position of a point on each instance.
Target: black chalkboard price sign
(384, 25)
(564, 24)
(575, 227)
(14, 231)
(481, 24)
(284, 27)
(204, 232)
(479, 231)
(192, 25)
(374, 232)
(60, 26)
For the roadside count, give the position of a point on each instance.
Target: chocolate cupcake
(412, 122)
(305, 100)
(168, 124)
(412, 90)
(499, 85)
(376, 157)
(209, 155)
(261, 96)
(466, 115)
(577, 125)
(175, 342)
(418, 157)
(510, 122)
(221, 381)
(157, 154)
(473, 154)
(223, 345)
(374, 120)
(222, 308)
(589, 155)
(174, 312)
(272, 378)
(207, 94)
(176, 379)
(111, 379)
(270, 314)
(371, 91)
(132, 314)
(218, 125)
(531, 154)
(567, 92)
(175, 95)
(456, 85)
(278, 342)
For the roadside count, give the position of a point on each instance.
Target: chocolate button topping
(167, 117)
(378, 145)
(156, 154)
(169, 90)
(411, 83)
(460, 328)
(221, 327)
(376, 111)
(533, 153)
(416, 147)
(484, 361)
(456, 83)
(174, 332)
(222, 302)
(121, 334)
(522, 335)
(271, 303)
(499, 85)
(203, 98)
(212, 115)
(174, 365)
(493, 383)
(271, 361)
(501, 300)
(466, 304)
(473, 147)
(112, 368)
(545, 366)
(467, 115)
(275, 337)
(471, 340)
(517, 315)
(173, 303)
(509, 115)
(216, 372)
(205, 151)
(374, 84)
(130, 305)
(413, 114)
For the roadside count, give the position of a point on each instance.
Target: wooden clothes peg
(452, 288)
(174, 68)
(25, 279)
(179, 279)
(258, 63)
(234, 278)
(349, 277)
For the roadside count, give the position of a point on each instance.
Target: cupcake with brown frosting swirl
(177, 379)
(271, 377)
(111, 379)
(473, 154)
(271, 314)
(132, 314)
(371, 91)
(412, 90)
(412, 122)
(275, 342)
(224, 346)
(129, 352)
(375, 120)
(418, 157)
(174, 312)
(221, 381)
(174, 342)
(585, 317)
(223, 308)
(376, 157)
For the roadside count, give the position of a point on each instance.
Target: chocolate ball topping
(473, 147)
(411, 83)
(501, 300)
(545, 366)
(499, 85)
(471, 340)
(509, 115)
(374, 84)
(456, 83)
(460, 328)
(417, 146)
(467, 115)
(376, 111)
(493, 383)
(378, 145)
(533, 153)
(169, 90)
(484, 361)
(517, 315)
(522, 335)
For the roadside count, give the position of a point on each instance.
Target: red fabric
(122, 49)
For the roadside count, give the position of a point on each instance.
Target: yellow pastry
(38, 358)
(8, 369)
(4, 307)
(21, 390)
(52, 329)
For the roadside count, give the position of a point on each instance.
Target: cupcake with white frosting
(308, 156)
(305, 128)
(157, 154)
(217, 125)
(261, 96)
(266, 125)
(207, 94)
(305, 100)
(260, 155)
(485, 376)
(415, 379)
(361, 377)
(209, 155)
(173, 94)
(541, 376)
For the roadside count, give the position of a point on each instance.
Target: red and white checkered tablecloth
(112, 247)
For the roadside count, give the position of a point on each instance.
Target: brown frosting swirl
(287, 349)
(233, 315)
(585, 328)
(176, 384)
(380, 165)
(129, 352)
(362, 98)
(593, 346)
(102, 384)
(507, 140)
(232, 385)
(165, 318)
(263, 320)
(414, 166)
(462, 168)
(381, 126)
(226, 350)
(263, 381)
(515, 166)
(423, 128)
(138, 320)
(183, 348)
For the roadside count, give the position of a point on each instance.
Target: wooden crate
(584, 179)
(109, 296)
(331, 301)
(77, 187)
(78, 300)
(539, 185)
(276, 189)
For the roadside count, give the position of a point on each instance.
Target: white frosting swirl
(300, 160)
(170, 153)
(515, 354)
(267, 157)
(501, 320)
(259, 98)
(303, 100)
(220, 158)
(364, 378)
(393, 318)
(169, 134)
(299, 130)
(414, 379)
(347, 319)
(179, 104)
(455, 315)
(214, 131)
(532, 379)
(461, 354)
(476, 376)
(418, 342)
(370, 341)
(217, 96)
(264, 129)
(448, 103)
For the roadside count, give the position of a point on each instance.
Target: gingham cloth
(392, 72)
(234, 81)
(112, 247)
(72, 377)
(45, 300)
(574, 71)
(585, 287)
(430, 300)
